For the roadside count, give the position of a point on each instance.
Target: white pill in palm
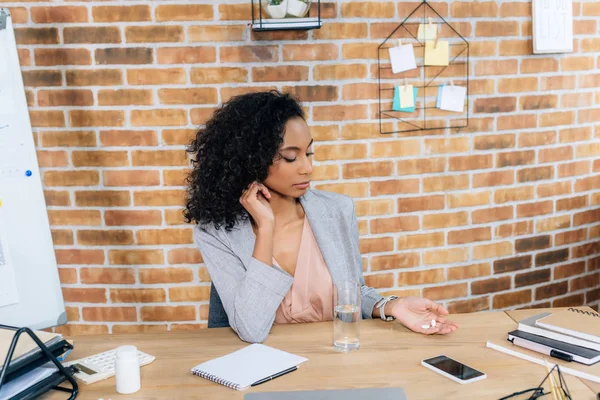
(433, 323)
(425, 326)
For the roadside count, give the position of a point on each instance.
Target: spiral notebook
(574, 322)
(240, 369)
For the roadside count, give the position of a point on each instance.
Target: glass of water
(346, 316)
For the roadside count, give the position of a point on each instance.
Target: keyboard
(102, 366)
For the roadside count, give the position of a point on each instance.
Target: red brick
(126, 55)
(412, 204)
(249, 54)
(445, 220)
(91, 34)
(49, 57)
(445, 183)
(309, 52)
(25, 36)
(102, 198)
(95, 77)
(189, 293)
(394, 261)
(511, 299)
(168, 313)
(496, 178)
(535, 174)
(168, 76)
(469, 235)
(135, 257)
(446, 292)
(87, 295)
(437, 257)
(74, 217)
(75, 256)
(420, 241)
(121, 13)
(186, 55)
(215, 34)
(104, 237)
(486, 215)
(42, 78)
(137, 295)
(166, 275)
(81, 118)
(59, 14)
(187, 12)
(124, 97)
(469, 306)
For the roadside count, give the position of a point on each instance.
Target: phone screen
(453, 367)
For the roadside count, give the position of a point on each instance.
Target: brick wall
(500, 215)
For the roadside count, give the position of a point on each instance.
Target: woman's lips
(304, 185)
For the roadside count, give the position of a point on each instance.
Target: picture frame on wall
(552, 26)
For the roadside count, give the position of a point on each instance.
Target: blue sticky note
(396, 104)
(439, 96)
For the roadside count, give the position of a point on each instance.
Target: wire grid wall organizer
(427, 79)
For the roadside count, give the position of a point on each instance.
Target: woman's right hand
(255, 199)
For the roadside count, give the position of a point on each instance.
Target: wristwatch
(381, 305)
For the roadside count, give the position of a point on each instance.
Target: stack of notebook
(571, 335)
(29, 374)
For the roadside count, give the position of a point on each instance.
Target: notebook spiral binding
(593, 314)
(216, 379)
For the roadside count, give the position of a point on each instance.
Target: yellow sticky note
(407, 98)
(436, 55)
(427, 32)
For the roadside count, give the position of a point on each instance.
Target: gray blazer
(251, 291)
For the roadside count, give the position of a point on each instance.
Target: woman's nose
(306, 168)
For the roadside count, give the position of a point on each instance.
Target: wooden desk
(390, 355)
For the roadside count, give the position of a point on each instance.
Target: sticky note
(453, 98)
(402, 58)
(439, 96)
(407, 98)
(427, 32)
(436, 55)
(396, 104)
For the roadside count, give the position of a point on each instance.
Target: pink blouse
(310, 299)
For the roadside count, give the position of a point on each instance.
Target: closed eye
(291, 160)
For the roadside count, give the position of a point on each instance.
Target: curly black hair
(236, 147)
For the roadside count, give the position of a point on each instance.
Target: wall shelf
(262, 22)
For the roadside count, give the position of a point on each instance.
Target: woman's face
(290, 174)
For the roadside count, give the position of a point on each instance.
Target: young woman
(275, 248)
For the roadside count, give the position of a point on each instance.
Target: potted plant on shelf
(275, 8)
(298, 8)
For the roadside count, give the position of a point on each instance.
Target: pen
(277, 375)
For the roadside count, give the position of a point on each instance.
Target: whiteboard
(30, 293)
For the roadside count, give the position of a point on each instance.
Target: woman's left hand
(416, 312)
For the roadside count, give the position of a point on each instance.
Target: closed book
(574, 322)
(528, 325)
(554, 347)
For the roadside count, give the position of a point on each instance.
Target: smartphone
(453, 369)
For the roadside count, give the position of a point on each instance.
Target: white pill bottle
(127, 370)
